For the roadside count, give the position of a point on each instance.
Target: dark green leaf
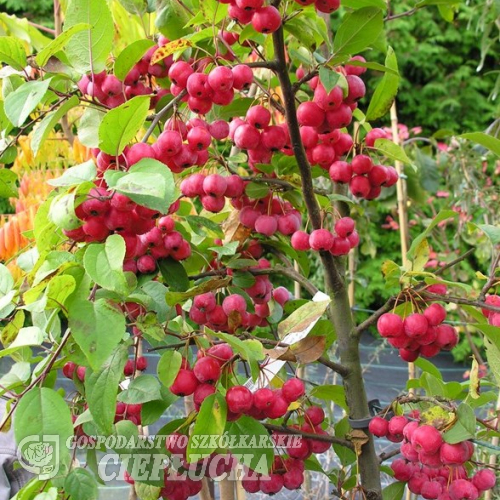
(328, 78)
(101, 388)
(334, 393)
(394, 491)
(168, 367)
(211, 421)
(129, 56)
(260, 457)
(174, 274)
(464, 428)
(386, 90)
(120, 125)
(80, 484)
(358, 31)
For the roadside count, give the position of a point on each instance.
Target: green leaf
(168, 367)
(76, 175)
(20, 103)
(334, 393)
(394, 491)
(328, 78)
(43, 128)
(202, 224)
(386, 90)
(373, 65)
(358, 31)
(43, 412)
(493, 356)
(130, 55)
(493, 232)
(89, 49)
(256, 190)
(120, 125)
(142, 389)
(260, 457)
(211, 421)
(136, 7)
(62, 211)
(238, 107)
(8, 187)
(101, 388)
(27, 337)
(215, 283)
(59, 43)
(12, 52)
(303, 318)
(170, 19)
(97, 328)
(392, 150)
(426, 366)
(229, 249)
(441, 216)
(88, 131)
(464, 428)
(149, 183)
(486, 140)
(358, 4)
(80, 484)
(491, 332)
(104, 264)
(174, 274)
(147, 491)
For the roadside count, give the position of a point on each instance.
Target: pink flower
(442, 194)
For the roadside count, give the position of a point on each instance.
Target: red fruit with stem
(263, 398)
(309, 114)
(447, 337)
(202, 392)
(215, 185)
(426, 438)
(199, 138)
(233, 303)
(266, 224)
(239, 399)
(300, 241)
(415, 325)
(247, 137)
(327, 6)
(491, 300)
(278, 408)
(314, 415)
(207, 370)
(341, 172)
(242, 76)
(179, 73)
(379, 426)
(185, 383)
(293, 389)
(435, 314)
(344, 227)
(390, 325)
(361, 164)
(484, 479)
(69, 369)
(266, 20)
(360, 186)
(321, 240)
(455, 454)
(462, 489)
(221, 77)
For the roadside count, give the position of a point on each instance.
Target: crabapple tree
(225, 156)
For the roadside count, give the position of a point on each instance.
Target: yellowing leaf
(168, 49)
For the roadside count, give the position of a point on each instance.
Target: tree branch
(162, 113)
(317, 437)
(492, 279)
